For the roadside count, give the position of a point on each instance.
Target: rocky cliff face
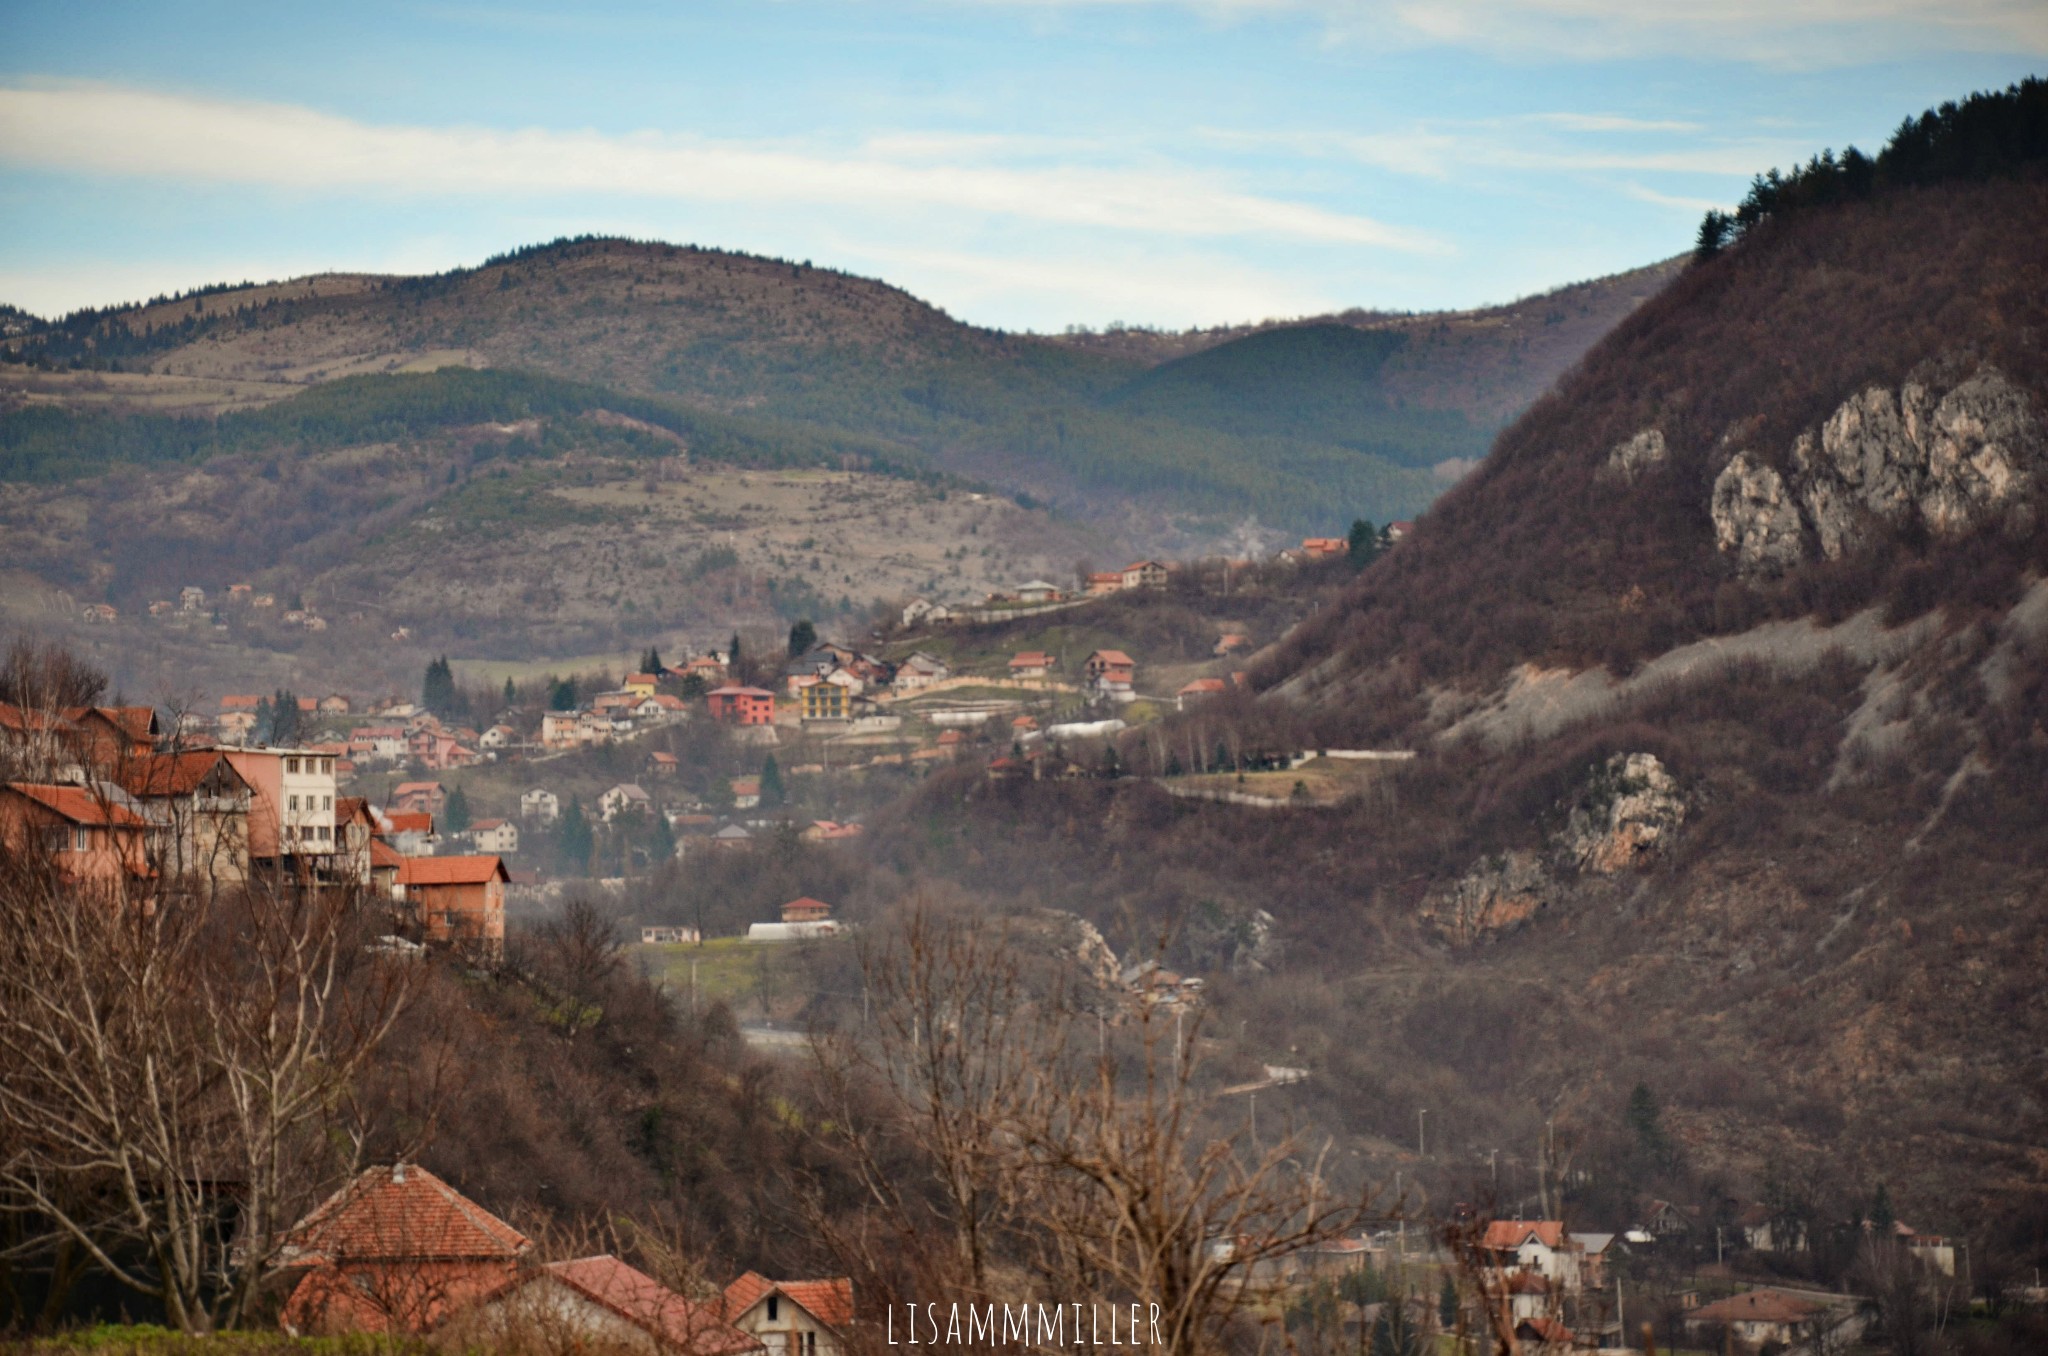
(1626, 813)
(1882, 459)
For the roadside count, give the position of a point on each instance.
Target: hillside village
(720, 751)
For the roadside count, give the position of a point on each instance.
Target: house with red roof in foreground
(397, 1250)
(598, 1304)
(792, 1318)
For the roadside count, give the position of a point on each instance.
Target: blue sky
(1022, 163)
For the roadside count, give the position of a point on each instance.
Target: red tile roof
(1505, 1235)
(1757, 1306)
(451, 870)
(171, 774)
(80, 805)
(830, 1302)
(400, 1213)
(1113, 657)
(382, 854)
(700, 1329)
(410, 821)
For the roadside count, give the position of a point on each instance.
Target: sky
(1026, 164)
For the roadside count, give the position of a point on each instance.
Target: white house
(920, 671)
(625, 798)
(1538, 1245)
(498, 737)
(540, 804)
(495, 835)
(791, 1318)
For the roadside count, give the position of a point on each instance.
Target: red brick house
(742, 705)
(458, 900)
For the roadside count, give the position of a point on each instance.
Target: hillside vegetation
(817, 360)
(1726, 677)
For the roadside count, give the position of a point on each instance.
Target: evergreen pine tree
(1447, 1304)
(455, 812)
(511, 693)
(1365, 544)
(732, 657)
(575, 841)
(1882, 1218)
(772, 794)
(562, 695)
(437, 689)
(259, 733)
(651, 662)
(802, 636)
(285, 726)
(663, 842)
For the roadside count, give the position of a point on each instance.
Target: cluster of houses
(399, 1253)
(193, 603)
(115, 806)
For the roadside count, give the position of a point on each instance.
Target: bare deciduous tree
(1075, 1151)
(168, 1064)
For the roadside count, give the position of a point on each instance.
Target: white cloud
(1804, 33)
(1441, 150)
(120, 131)
(1164, 290)
(1651, 195)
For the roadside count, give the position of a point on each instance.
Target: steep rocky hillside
(1726, 678)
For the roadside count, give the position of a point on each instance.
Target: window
(292, 802)
(291, 765)
(774, 1304)
(81, 840)
(325, 833)
(327, 802)
(810, 1344)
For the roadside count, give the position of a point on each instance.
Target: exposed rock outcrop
(1631, 458)
(1755, 518)
(1498, 895)
(1628, 811)
(1883, 457)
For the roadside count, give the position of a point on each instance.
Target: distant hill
(751, 339)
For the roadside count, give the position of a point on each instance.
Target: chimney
(398, 1174)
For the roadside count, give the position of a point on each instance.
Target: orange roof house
(1322, 548)
(1200, 688)
(458, 900)
(90, 839)
(1032, 664)
(602, 1304)
(806, 910)
(798, 1318)
(397, 1250)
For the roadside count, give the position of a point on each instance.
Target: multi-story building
(291, 812)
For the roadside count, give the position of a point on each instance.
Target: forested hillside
(800, 363)
(1724, 681)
